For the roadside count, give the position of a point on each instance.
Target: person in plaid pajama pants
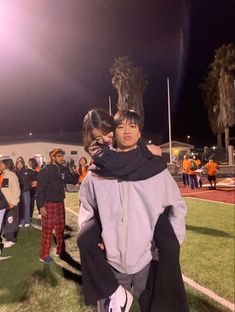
(50, 194)
(55, 220)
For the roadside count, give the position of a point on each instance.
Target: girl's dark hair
(80, 166)
(99, 119)
(9, 164)
(128, 116)
(20, 160)
(33, 162)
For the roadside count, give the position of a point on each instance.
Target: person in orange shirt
(185, 165)
(192, 173)
(82, 169)
(212, 169)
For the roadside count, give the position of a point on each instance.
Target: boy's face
(127, 135)
(58, 158)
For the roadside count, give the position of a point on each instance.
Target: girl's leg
(26, 206)
(169, 292)
(98, 279)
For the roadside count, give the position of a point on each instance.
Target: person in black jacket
(3, 206)
(50, 194)
(33, 165)
(25, 176)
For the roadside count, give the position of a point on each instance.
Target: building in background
(38, 146)
(179, 149)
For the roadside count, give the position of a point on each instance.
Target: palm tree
(226, 88)
(210, 97)
(130, 83)
(218, 91)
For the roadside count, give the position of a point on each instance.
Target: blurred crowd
(18, 186)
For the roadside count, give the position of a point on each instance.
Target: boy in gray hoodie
(129, 211)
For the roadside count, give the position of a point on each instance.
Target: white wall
(27, 150)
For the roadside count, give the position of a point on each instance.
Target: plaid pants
(55, 220)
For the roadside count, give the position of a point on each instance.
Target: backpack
(193, 165)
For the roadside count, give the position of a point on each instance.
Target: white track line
(73, 212)
(209, 293)
(209, 200)
(196, 286)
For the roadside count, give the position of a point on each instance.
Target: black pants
(32, 202)
(165, 288)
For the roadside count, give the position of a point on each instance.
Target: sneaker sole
(129, 300)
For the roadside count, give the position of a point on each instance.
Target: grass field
(207, 257)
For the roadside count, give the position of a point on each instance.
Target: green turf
(207, 255)
(28, 285)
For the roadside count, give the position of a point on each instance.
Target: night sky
(56, 54)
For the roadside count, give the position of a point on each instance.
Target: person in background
(185, 166)
(25, 177)
(3, 207)
(50, 194)
(33, 165)
(199, 170)
(82, 169)
(191, 170)
(10, 188)
(212, 170)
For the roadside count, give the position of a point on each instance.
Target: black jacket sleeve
(42, 182)
(137, 164)
(67, 176)
(113, 163)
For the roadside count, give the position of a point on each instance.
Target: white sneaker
(120, 301)
(8, 244)
(20, 225)
(27, 225)
(4, 258)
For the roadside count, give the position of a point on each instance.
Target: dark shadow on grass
(207, 231)
(46, 276)
(72, 276)
(65, 256)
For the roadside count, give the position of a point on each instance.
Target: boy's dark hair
(128, 116)
(34, 162)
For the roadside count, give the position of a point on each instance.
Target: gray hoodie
(128, 213)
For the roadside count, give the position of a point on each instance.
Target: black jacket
(26, 177)
(51, 182)
(137, 164)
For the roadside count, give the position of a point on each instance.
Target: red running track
(221, 194)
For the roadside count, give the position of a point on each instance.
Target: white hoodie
(12, 190)
(129, 212)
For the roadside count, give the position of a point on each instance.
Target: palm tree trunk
(226, 137)
(219, 140)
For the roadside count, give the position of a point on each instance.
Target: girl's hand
(154, 149)
(101, 245)
(94, 149)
